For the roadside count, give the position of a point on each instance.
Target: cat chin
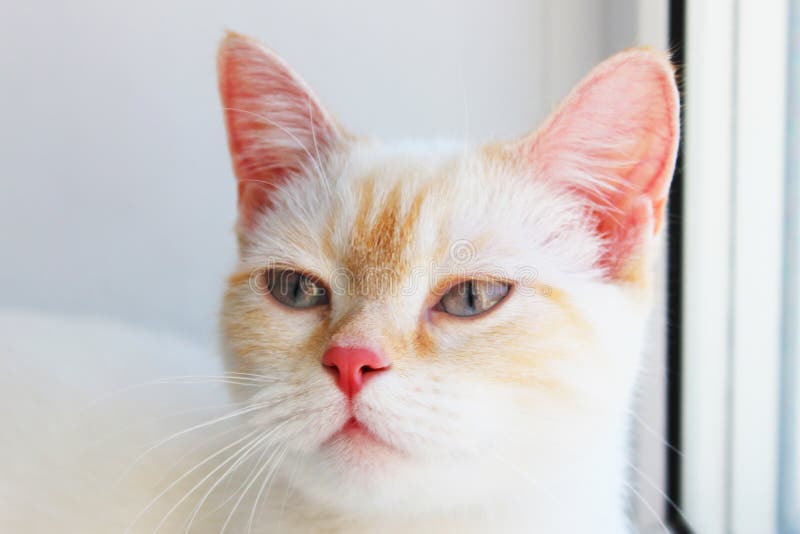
(395, 484)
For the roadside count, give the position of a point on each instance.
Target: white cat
(415, 339)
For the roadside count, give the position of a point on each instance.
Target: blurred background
(117, 197)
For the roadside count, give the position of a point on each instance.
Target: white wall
(116, 195)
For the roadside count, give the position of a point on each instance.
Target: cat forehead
(380, 211)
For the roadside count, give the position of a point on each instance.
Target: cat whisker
(290, 485)
(170, 380)
(197, 381)
(650, 430)
(268, 478)
(205, 442)
(252, 375)
(248, 409)
(647, 506)
(534, 484)
(121, 431)
(465, 102)
(258, 380)
(246, 489)
(231, 469)
(316, 145)
(186, 474)
(246, 481)
(657, 487)
(242, 452)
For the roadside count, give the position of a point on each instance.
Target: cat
(426, 338)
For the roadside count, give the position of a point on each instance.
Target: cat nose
(352, 366)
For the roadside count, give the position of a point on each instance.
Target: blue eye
(295, 289)
(473, 297)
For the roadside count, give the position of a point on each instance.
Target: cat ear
(276, 126)
(614, 141)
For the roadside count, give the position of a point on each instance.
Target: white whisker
(233, 467)
(534, 484)
(657, 487)
(246, 489)
(186, 474)
(171, 380)
(248, 409)
(240, 453)
(268, 478)
(654, 433)
(647, 506)
(290, 484)
(246, 481)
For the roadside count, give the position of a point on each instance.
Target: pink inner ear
(614, 141)
(276, 127)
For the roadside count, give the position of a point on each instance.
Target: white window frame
(789, 476)
(736, 53)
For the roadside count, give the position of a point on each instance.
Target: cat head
(418, 324)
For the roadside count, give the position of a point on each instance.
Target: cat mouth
(354, 433)
(353, 428)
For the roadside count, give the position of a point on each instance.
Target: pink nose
(352, 366)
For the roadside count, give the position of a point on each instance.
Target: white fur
(472, 459)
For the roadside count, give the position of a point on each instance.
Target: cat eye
(473, 297)
(295, 289)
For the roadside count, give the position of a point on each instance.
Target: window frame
(733, 226)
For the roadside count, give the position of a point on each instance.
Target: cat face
(441, 324)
